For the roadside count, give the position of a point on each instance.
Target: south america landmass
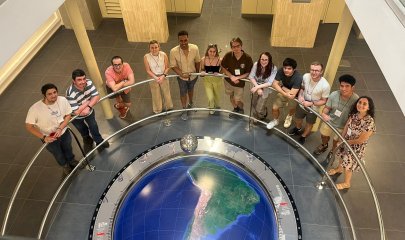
(224, 197)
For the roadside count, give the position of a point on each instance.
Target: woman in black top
(210, 64)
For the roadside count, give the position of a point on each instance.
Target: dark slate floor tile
(318, 207)
(72, 222)
(87, 187)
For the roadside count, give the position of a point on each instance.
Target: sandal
(342, 186)
(334, 171)
(117, 106)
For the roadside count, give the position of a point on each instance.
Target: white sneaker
(272, 124)
(287, 122)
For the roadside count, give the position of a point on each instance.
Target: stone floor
(220, 21)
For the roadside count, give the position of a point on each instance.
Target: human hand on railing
(301, 99)
(234, 79)
(202, 73)
(325, 117)
(160, 79)
(290, 95)
(185, 75)
(50, 138)
(253, 89)
(307, 103)
(85, 111)
(56, 134)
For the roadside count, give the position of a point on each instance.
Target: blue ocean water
(161, 206)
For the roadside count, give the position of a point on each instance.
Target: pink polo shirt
(111, 75)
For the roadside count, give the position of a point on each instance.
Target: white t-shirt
(47, 118)
(315, 91)
(156, 63)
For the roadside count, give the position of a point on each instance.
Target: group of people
(351, 115)
(48, 118)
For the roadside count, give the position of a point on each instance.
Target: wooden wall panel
(295, 24)
(145, 20)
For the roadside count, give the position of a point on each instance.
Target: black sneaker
(191, 105)
(73, 163)
(320, 149)
(103, 146)
(294, 131)
(301, 140)
(67, 169)
(231, 115)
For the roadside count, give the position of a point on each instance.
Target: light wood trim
(24, 55)
(145, 20)
(296, 24)
(333, 11)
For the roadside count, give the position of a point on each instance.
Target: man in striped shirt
(82, 96)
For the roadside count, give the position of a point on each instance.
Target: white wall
(385, 36)
(19, 19)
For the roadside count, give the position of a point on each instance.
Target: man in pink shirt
(118, 76)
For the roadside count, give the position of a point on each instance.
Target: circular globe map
(196, 198)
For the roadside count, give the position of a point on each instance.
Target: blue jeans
(87, 126)
(61, 149)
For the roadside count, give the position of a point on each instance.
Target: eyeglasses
(117, 65)
(236, 46)
(315, 70)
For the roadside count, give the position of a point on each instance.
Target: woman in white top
(262, 76)
(157, 66)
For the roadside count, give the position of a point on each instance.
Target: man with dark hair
(184, 60)
(82, 96)
(287, 83)
(314, 93)
(120, 75)
(236, 65)
(336, 111)
(47, 120)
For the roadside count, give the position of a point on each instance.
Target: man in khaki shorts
(287, 83)
(336, 111)
(236, 65)
(314, 93)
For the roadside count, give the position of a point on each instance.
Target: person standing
(236, 65)
(47, 119)
(184, 60)
(262, 77)
(314, 93)
(336, 111)
(358, 129)
(82, 96)
(120, 75)
(287, 83)
(211, 63)
(157, 66)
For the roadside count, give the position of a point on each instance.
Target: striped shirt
(76, 97)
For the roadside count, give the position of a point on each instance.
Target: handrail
(378, 209)
(17, 188)
(40, 232)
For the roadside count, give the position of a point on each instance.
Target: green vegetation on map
(231, 196)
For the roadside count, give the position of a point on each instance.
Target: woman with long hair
(261, 76)
(211, 63)
(358, 129)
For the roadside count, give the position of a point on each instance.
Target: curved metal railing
(324, 171)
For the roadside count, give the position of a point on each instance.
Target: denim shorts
(186, 86)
